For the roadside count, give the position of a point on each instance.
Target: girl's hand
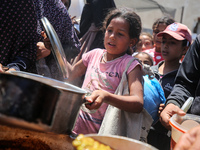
(96, 99)
(42, 51)
(168, 112)
(46, 40)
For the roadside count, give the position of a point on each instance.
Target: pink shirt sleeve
(133, 65)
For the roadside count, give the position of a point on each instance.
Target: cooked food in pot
(88, 143)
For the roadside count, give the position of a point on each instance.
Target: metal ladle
(187, 104)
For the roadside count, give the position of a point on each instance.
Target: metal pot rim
(49, 81)
(113, 141)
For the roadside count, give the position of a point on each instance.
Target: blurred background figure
(18, 26)
(153, 92)
(75, 23)
(145, 42)
(92, 17)
(159, 25)
(145, 58)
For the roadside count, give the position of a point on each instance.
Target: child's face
(171, 48)
(144, 58)
(157, 40)
(117, 39)
(144, 43)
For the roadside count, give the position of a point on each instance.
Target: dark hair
(130, 16)
(166, 20)
(144, 53)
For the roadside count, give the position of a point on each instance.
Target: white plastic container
(180, 125)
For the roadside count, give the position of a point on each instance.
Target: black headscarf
(94, 11)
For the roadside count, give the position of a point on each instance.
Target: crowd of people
(159, 80)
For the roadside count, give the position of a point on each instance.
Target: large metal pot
(121, 143)
(27, 99)
(59, 114)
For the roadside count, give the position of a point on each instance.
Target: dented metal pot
(39, 102)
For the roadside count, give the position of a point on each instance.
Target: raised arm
(76, 70)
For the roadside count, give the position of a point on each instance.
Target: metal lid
(57, 48)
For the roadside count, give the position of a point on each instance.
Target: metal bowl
(121, 143)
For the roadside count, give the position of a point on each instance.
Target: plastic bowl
(180, 125)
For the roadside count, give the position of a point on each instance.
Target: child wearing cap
(176, 39)
(158, 26)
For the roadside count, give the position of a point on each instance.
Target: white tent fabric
(76, 8)
(145, 5)
(184, 11)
